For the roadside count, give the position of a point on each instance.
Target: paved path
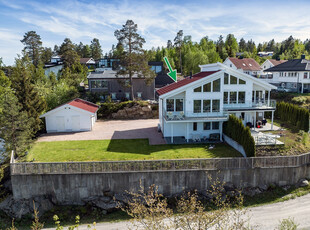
(262, 218)
(113, 129)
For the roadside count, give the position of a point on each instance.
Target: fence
(158, 165)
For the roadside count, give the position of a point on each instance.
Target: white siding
(70, 119)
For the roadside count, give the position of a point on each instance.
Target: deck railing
(158, 165)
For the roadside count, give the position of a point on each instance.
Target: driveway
(113, 129)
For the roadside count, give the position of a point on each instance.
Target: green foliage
(68, 53)
(95, 47)
(134, 59)
(33, 46)
(235, 129)
(17, 124)
(287, 224)
(293, 114)
(299, 100)
(107, 108)
(24, 79)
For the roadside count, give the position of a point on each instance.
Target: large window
(215, 105)
(232, 97)
(233, 80)
(215, 125)
(197, 90)
(178, 105)
(206, 125)
(99, 84)
(226, 79)
(225, 97)
(170, 105)
(207, 87)
(241, 97)
(217, 85)
(305, 75)
(241, 82)
(206, 106)
(197, 106)
(156, 68)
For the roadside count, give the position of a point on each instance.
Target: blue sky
(157, 21)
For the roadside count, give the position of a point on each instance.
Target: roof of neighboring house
(245, 63)
(85, 105)
(276, 62)
(292, 65)
(108, 74)
(184, 82)
(78, 103)
(87, 61)
(50, 65)
(162, 80)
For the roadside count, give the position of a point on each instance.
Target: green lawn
(115, 150)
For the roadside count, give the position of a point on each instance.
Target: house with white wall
(197, 106)
(74, 116)
(268, 64)
(293, 75)
(244, 65)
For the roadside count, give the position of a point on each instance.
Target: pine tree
(27, 96)
(134, 58)
(96, 51)
(33, 46)
(68, 53)
(178, 43)
(17, 125)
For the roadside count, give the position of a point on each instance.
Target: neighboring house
(108, 63)
(106, 83)
(55, 65)
(162, 79)
(265, 54)
(197, 106)
(89, 62)
(293, 75)
(268, 64)
(244, 65)
(74, 116)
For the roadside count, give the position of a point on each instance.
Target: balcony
(190, 116)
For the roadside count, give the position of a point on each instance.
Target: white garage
(74, 116)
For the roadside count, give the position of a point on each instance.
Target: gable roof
(184, 82)
(87, 60)
(109, 74)
(85, 105)
(276, 62)
(78, 103)
(245, 63)
(292, 65)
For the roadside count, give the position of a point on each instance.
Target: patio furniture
(214, 137)
(264, 122)
(196, 138)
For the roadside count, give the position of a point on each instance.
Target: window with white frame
(232, 97)
(139, 94)
(241, 97)
(217, 85)
(113, 96)
(175, 105)
(206, 125)
(179, 105)
(226, 79)
(197, 90)
(225, 97)
(206, 108)
(99, 84)
(215, 125)
(197, 106)
(170, 105)
(207, 87)
(215, 106)
(127, 95)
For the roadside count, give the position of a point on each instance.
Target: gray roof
(291, 65)
(107, 74)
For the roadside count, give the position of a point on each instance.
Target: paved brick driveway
(113, 129)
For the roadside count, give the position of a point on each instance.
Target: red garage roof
(183, 82)
(85, 105)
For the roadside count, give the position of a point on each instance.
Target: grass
(116, 150)
(295, 142)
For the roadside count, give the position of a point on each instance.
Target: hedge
(293, 114)
(235, 129)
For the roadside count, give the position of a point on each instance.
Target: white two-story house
(197, 106)
(244, 65)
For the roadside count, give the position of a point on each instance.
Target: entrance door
(60, 124)
(75, 123)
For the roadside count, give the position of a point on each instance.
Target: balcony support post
(187, 131)
(272, 114)
(268, 98)
(171, 133)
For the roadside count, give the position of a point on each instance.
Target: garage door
(75, 123)
(60, 123)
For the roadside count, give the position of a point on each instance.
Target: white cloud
(159, 21)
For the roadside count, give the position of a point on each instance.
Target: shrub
(293, 114)
(235, 129)
(299, 100)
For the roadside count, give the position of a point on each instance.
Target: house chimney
(190, 75)
(303, 56)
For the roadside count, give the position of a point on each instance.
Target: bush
(299, 100)
(235, 129)
(293, 114)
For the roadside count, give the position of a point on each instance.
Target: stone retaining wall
(136, 112)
